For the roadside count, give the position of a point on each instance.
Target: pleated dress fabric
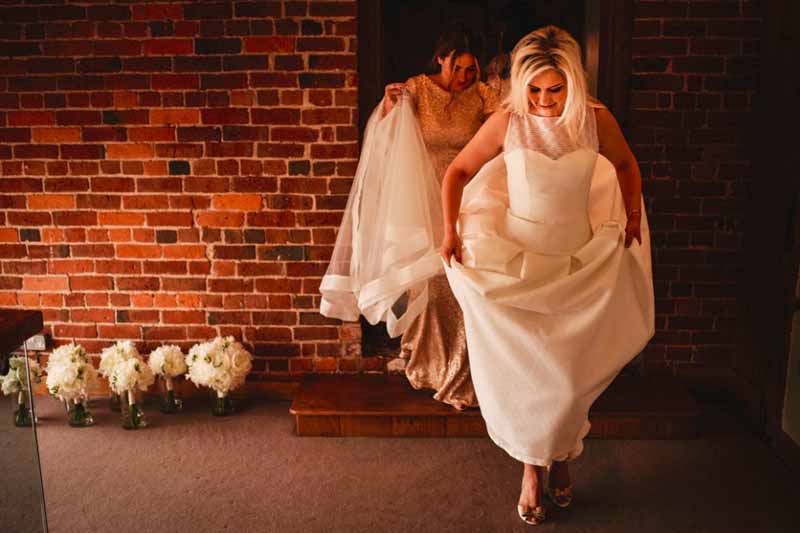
(554, 305)
(435, 344)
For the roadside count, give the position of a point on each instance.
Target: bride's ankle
(532, 488)
(534, 475)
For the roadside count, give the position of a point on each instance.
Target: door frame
(772, 228)
(608, 29)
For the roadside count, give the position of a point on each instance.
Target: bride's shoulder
(606, 125)
(602, 115)
(597, 107)
(498, 121)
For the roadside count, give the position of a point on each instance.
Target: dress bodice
(449, 120)
(550, 174)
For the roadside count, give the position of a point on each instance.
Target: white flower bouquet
(128, 373)
(222, 365)
(169, 363)
(109, 358)
(69, 374)
(16, 382)
(119, 351)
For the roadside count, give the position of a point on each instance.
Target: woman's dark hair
(455, 40)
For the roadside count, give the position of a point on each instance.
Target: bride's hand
(451, 246)
(390, 95)
(633, 230)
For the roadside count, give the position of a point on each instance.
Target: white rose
(114, 354)
(146, 376)
(129, 374)
(200, 372)
(9, 384)
(222, 382)
(156, 360)
(69, 372)
(241, 362)
(168, 361)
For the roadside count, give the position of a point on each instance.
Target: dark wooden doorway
(411, 27)
(770, 292)
(396, 39)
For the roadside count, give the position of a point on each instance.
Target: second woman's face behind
(547, 94)
(460, 72)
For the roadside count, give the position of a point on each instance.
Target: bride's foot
(531, 507)
(559, 484)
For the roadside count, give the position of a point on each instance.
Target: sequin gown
(435, 344)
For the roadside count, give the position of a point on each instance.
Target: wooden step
(387, 406)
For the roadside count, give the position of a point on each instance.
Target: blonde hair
(548, 48)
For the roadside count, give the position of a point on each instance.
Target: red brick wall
(174, 171)
(694, 78)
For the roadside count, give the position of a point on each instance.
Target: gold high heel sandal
(534, 516)
(561, 497)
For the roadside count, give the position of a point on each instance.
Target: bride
(549, 260)
(546, 251)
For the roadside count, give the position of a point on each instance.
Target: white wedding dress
(554, 304)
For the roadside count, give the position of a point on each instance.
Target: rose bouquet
(222, 365)
(128, 374)
(169, 363)
(16, 382)
(109, 358)
(69, 373)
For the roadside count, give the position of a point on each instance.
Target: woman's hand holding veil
(390, 95)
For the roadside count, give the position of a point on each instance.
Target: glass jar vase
(132, 414)
(223, 405)
(22, 413)
(115, 402)
(170, 403)
(78, 414)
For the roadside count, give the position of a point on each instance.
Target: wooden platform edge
(603, 427)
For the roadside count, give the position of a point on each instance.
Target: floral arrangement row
(221, 365)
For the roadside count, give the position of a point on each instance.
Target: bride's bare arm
(615, 148)
(484, 146)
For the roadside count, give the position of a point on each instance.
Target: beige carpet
(195, 473)
(20, 487)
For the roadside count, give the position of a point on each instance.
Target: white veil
(392, 227)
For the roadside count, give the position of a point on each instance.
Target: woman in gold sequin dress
(451, 105)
